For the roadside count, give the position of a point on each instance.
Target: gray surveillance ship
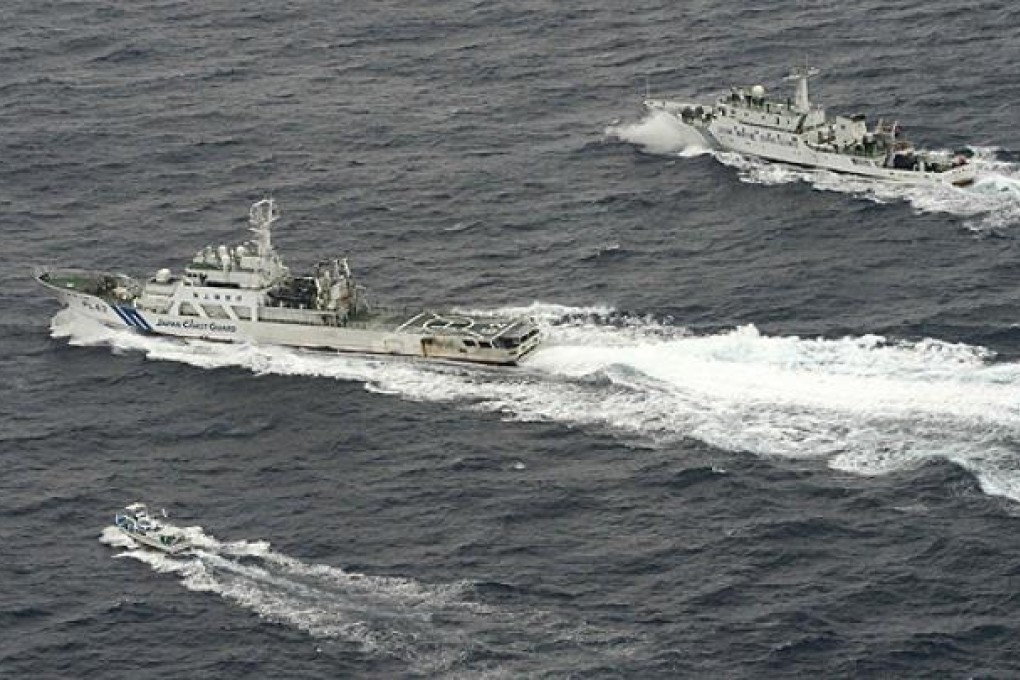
(797, 132)
(247, 294)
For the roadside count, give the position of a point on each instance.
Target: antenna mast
(800, 75)
(261, 217)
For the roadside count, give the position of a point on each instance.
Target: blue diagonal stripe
(122, 313)
(139, 320)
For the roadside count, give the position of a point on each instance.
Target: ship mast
(261, 217)
(800, 75)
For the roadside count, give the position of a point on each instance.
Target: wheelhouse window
(215, 312)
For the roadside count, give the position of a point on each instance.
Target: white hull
(404, 342)
(152, 542)
(136, 523)
(246, 294)
(796, 152)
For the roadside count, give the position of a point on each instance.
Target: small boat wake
(991, 203)
(434, 629)
(867, 404)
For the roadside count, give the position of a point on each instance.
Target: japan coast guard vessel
(798, 132)
(247, 294)
(135, 522)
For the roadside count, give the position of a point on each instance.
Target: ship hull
(154, 543)
(798, 153)
(792, 149)
(399, 341)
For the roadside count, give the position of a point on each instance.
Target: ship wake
(867, 405)
(433, 629)
(990, 204)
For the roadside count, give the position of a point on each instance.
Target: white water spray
(660, 133)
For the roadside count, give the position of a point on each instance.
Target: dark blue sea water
(775, 430)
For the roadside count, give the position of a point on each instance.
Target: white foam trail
(382, 616)
(660, 133)
(863, 404)
(434, 628)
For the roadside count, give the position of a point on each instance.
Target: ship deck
(435, 323)
(72, 281)
(83, 281)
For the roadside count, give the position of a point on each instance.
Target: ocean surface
(774, 431)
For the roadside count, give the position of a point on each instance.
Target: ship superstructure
(798, 132)
(247, 294)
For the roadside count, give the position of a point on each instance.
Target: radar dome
(163, 276)
(758, 91)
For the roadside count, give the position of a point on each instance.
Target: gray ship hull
(797, 132)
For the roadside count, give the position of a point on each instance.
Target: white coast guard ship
(247, 294)
(798, 132)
